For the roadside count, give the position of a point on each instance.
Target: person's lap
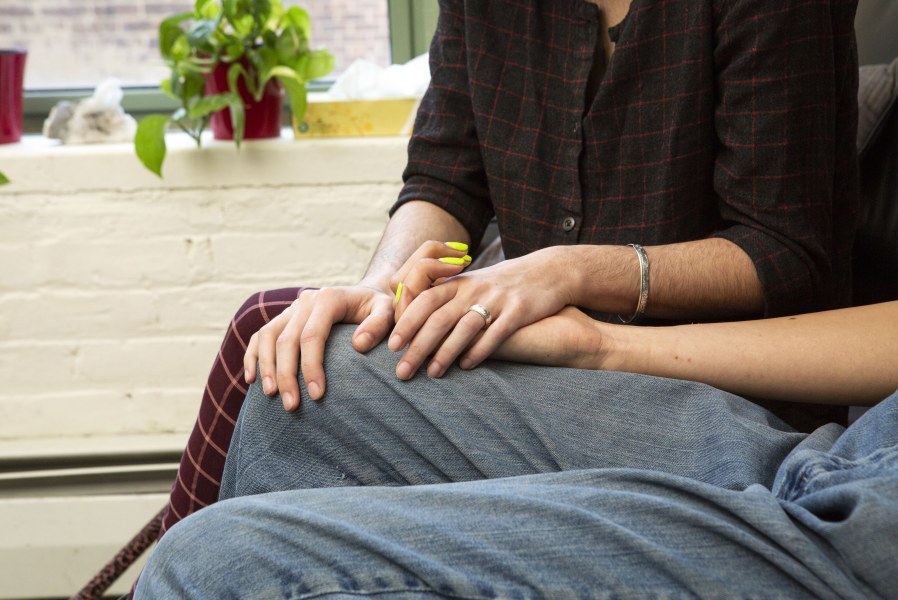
(499, 420)
(553, 501)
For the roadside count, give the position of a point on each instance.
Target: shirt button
(569, 223)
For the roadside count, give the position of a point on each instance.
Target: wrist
(377, 283)
(621, 348)
(601, 278)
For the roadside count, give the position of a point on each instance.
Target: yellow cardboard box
(341, 118)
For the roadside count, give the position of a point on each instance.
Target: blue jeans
(514, 481)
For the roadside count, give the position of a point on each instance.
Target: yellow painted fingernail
(460, 246)
(451, 260)
(466, 258)
(398, 293)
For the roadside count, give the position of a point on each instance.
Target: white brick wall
(116, 287)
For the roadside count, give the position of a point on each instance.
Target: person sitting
(581, 479)
(711, 141)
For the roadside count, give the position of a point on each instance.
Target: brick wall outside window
(77, 43)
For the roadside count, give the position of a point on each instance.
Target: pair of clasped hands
(427, 307)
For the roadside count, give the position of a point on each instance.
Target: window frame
(411, 23)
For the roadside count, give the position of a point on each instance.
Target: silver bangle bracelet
(643, 286)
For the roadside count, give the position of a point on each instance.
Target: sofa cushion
(875, 260)
(877, 94)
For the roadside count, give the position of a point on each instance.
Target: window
(78, 43)
(74, 44)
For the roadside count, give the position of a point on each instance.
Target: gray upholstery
(877, 31)
(875, 261)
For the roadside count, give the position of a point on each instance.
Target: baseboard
(69, 504)
(51, 547)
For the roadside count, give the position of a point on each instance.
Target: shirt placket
(570, 216)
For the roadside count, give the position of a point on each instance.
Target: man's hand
(516, 292)
(298, 336)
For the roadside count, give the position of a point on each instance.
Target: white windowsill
(37, 164)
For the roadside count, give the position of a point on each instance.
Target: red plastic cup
(12, 75)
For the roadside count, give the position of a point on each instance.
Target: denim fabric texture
(513, 481)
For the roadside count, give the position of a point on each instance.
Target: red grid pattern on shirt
(713, 118)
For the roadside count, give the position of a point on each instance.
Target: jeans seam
(419, 591)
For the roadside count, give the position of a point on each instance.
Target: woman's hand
(568, 339)
(438, 321)
(429, 264)
(298, 336)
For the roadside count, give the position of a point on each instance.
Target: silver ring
(482, 311)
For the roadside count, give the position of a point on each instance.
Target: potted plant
(227, 59)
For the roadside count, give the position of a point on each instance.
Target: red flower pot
(263, 118)
(12, 74)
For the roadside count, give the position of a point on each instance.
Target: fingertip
(289, 401)
(458, 246)
(363, 341)
(395, 343)
(268, 385)
(404, 371)
(315, 390)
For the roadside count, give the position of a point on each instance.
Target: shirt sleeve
(779, 89)
(445, 166)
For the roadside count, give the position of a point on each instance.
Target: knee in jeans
(200, 556)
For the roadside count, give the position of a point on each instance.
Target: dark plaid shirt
(726, 118)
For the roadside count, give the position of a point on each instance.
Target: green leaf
(296, 92)
(167, 87)
(234, 51)
(3, 179)
(261, 10)
(234, 72)
(200, 34)
(192, 85)
(321, 62)
(208, 105)
(149, 142)
(238, 118)
(229, 8)
(180, 49)
(169, 32)
(206, 9)
(276, 16)
(299, 18)
(290, 45)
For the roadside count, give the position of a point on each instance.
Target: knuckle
(266, 334)
(328, 294)
(427, 297)
(309, 335)
(286, 340)
(442, 319)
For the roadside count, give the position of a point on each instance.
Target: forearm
(704, 279)
(847, 356)
(411, 225)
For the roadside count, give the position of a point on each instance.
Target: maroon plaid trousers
(199, 474)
